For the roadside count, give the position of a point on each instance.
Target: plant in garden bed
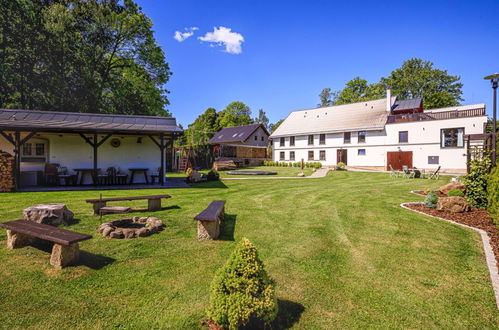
(341, 166)
(455, 192)
(476, 182)
(431, 200)
(242, 291)
(493, 197)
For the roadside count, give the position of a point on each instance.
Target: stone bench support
(17, 240)
(64, 255)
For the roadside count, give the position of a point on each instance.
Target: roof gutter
(380, 128)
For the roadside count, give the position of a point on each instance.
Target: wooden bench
(65, 251)
(210, 220)
(154, 202)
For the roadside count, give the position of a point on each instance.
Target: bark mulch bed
(477, 218)
(422, 193)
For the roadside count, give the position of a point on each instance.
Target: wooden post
(162, 168)
(468, 154)
(95, 147)
(17, 154)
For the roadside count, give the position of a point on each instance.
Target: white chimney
(388, 100)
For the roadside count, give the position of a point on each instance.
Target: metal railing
(421, 116)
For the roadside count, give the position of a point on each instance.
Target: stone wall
(7, 166)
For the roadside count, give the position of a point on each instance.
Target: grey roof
(84, 122)
(367, 115)
(400, 105)
(236, 134)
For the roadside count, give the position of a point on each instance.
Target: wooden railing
(421, 116)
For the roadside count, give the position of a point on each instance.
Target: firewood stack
(6, 172)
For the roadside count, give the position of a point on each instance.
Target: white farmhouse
(379, 133)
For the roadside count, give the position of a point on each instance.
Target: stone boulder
(454, 204)
(195, 176)
(301, 174)
(452, 185)
(53, 214)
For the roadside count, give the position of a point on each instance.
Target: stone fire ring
(131, 228)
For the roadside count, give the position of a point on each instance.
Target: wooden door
(341, 156)
(397, 159)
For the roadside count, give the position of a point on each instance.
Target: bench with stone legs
(210, 220)
(153, 202)
(65, 250)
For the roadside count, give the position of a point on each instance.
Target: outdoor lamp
(494, 80)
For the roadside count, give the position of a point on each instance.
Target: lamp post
(494, 80)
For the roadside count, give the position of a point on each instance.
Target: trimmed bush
(476, 182)
(241, 290)
(431, 200)
(455, 192)
(213, 175)
(493, 191)
(341, 166)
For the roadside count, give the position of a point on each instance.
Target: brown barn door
(341, 156)
(397, 159)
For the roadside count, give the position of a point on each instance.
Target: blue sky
(293, 49)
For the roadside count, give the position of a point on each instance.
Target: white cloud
(223, 36)
(181, 36)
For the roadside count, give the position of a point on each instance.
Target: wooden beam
(96, 146)
(29, 136)
(8, 138)
(162, 168)
(154, 140)
(104, 139)
(87, 140)
(17, 147)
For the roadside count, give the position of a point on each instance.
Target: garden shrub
(455, 192)
(188, 172)
(241, 290)
(341, 166)
(213, 175)
(476, 182)
(431, 200)
(493, 191)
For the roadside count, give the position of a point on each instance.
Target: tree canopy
(203, 128)
(262, 119)
(327, 97)
(275, 125)
(83, 56)
(235, 114)
(415, 78)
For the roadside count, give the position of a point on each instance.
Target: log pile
(221, 165)
(7, 165)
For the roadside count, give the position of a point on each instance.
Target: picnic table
(65, 250)
(134, 170)
(81, 172)
(153, 202)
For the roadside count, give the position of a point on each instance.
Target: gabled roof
(236, 134)
(368, 115)
(84, 122)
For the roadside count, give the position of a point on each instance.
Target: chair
(435, 175)
(393, 172)
(119, 177)
(51, 174)
(417, 173)
(108, 177)
(407, 173)
(155, 175)
(63, 175)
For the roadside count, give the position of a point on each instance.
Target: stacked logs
(7, 165)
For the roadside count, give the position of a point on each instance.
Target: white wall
(423, 141)
(72, 152)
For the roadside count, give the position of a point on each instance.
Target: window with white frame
(291, 155)
(281, 155)
(362, 137)
(292, 141)
(310, 155)
(282, 141)
(310, 140)
(322, 155)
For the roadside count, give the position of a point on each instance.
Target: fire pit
(131, 228)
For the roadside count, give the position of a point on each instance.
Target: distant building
(245, 145)
(380, 133)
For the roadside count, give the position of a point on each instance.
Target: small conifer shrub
(242, 291)
(431, 200)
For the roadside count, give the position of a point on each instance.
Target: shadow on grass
(88, 259)
(208, 184)
(289, 313)
(228, 228)
(94, 261)
(72, 222)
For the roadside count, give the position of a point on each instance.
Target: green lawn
(342, 251)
